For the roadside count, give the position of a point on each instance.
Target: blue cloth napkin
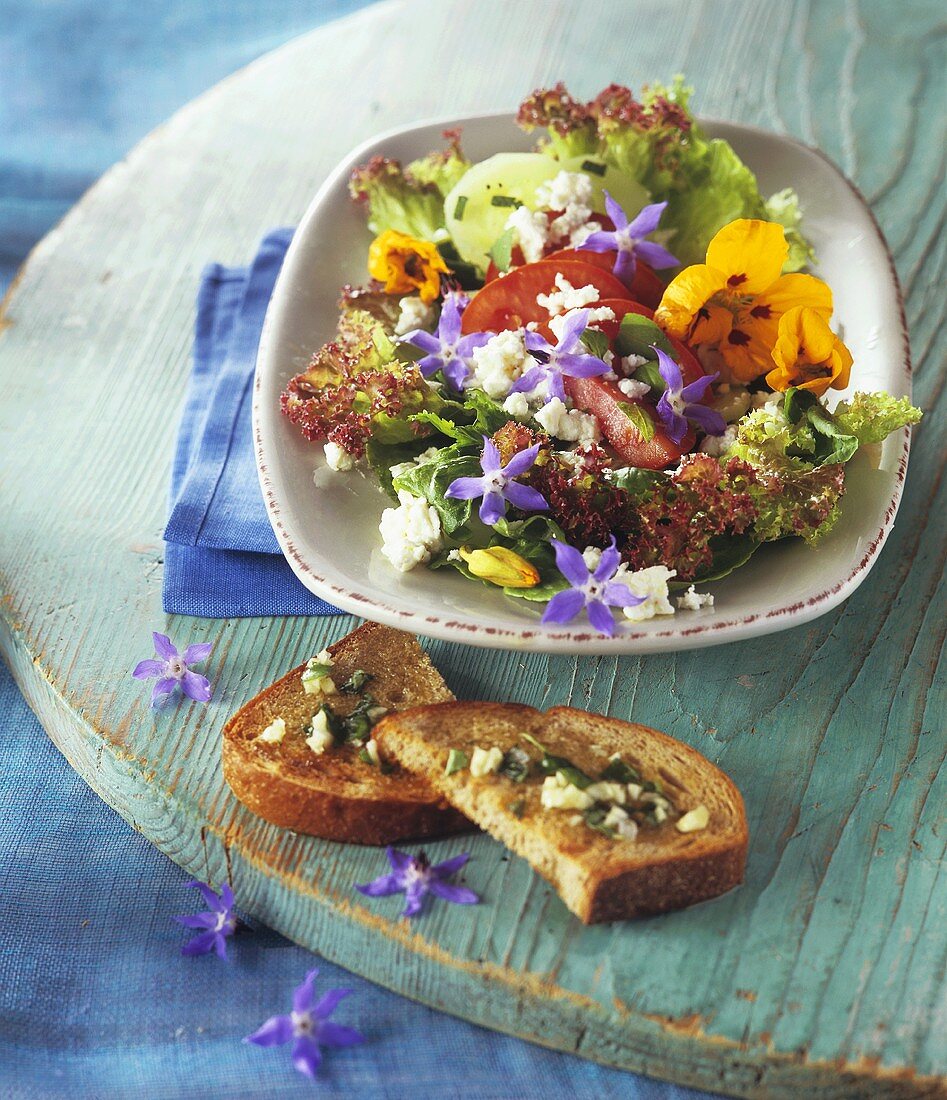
(222, 558)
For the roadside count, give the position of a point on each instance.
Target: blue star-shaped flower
(628, 240)
(446, 350)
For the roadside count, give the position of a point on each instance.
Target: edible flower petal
(678, 403)
(172, 669)
(405, 264)
(446, 350)
(500, 566)
(215, 926)
(308, 1026)
(415, 876)
(628, 240)
(497, 487)
(808, 355)
(732, 304)
(563, 359)
(596, 591)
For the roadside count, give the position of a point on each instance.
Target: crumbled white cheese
(559, 795)
(414, 314)
(566, 296)
(321, 737)
(606, 791)
(591, 555)
(323, 657)
(530, 229)
(627, 829)
(694, 601)
(716, 445)
(569, 424)
(694, 820)
(498, 364)
(579, 236)
(633, 389)
(318, 685)
(517, 404)
(401, 468)
(274, 732)
(485, 761)
(632, 362)
(410, 533)
(454, 555)
(337, 458)
(660, 813)
(596, 315)
(615, 819)
(652, 583)
(570, 193)
(371, 748)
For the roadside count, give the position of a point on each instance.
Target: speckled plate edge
(315, 575)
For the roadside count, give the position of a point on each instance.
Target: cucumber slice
(624, 189)
(486, 194)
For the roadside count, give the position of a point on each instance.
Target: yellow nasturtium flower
(733, 302)
(808, 354)
(405, 264)
(500, 566)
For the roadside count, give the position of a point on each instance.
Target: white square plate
(328, 526)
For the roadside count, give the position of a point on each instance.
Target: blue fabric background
(95, 999)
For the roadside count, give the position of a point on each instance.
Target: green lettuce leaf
(872, 417)
(431, 480)
(783, 207)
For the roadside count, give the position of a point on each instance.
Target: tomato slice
(603, 399)
(645, 287)
(510, 302)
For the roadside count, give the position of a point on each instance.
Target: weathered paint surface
(826, 971)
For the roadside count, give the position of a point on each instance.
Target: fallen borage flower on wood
(172, 668)
(309, 1025)
(414, 876)
(215, 925)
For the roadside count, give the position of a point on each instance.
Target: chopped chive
(594, 167)
(504, 200)
(460, 207)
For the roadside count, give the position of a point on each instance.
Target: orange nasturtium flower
(405, 264)
(733, 302)
(808, 354)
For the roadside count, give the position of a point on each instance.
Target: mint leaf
(642, 422)
(636, 335)
(595, 341)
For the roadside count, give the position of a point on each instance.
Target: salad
(592, 374)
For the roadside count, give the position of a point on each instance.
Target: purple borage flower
(563, 359)
(596, 591)
(172, 669)
(309, 1026)
(215, 926)
(678, 403)
(446, 350)
(414, 876)
(497, 486)
(628, 239)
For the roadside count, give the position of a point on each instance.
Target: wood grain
(826, 971)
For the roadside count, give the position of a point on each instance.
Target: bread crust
(337, 796)
(598, 878)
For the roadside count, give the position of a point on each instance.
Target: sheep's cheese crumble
(337, 458)
(530, 229)
(652, 583)
(568, 424)
(633, 389)
(274, 732)
(321, 737)
(410, 533)
(570, 193)
(694, 601)
(498, 364)
(485, 761)
(414, 314)
(566, 297)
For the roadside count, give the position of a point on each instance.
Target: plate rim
(631, 642)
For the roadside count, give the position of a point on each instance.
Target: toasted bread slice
(600, 875)
(336, 794)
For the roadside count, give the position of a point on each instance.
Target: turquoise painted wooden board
(826, 971)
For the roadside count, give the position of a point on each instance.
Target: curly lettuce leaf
(783, 207)
(409, 199)
(872, 417)
(800, 502)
